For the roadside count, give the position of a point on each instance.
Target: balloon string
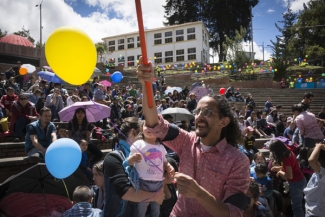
(147, 159)
(66, 189)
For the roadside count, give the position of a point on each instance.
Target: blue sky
(102, 18)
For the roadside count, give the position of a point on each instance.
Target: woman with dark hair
(289, 170)
(98, 190)
(95, 81)
(121, 198)
(79, 128)
(49, 88)
(281, 125)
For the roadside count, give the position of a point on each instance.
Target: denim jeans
(20, 125)
(297, 195)
(150, 186)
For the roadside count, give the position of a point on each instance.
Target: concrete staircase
(13, 158)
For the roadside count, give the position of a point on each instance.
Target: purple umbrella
(200, 92)
(94, 111)
(196, 84)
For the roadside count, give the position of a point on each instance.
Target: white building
(170, 45)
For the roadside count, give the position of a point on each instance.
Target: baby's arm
(134, 158)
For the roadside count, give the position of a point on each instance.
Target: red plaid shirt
(307, 125)
(222, 171)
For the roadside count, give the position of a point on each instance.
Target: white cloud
(270, 11)
(55, 13)
(258, 50)
(296, 5)
(247, 46)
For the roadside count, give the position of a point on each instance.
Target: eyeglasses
(205, 112)
(23, 99)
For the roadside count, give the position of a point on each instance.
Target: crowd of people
(160, 168)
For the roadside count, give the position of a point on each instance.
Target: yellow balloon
(71, 54)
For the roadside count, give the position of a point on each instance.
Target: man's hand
(187, 186)
(160, 196)
(170, 171)
(145, 73)
(135, 158)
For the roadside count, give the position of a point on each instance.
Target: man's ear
(225, 121)
(91, 200)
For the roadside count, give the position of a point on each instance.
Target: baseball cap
(249, 128)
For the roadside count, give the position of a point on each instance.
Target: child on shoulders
(149, 168)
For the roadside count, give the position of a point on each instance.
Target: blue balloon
(116, 77)
(63, 157)
(107, 70)
(299, 81)
(235, 70)
(322, 80)
(272, 70)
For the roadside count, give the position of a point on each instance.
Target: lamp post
(40, 22)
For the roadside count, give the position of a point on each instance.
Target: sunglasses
(205, 112)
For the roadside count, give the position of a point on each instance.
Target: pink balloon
(222, 91)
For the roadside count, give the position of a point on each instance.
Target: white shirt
(315, 194)
(147, 168)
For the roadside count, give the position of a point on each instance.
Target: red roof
(17, 40)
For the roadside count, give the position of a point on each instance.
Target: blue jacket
(44, 140)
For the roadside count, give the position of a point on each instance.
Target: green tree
(25, 33)
(278, 64)
(309, 31)
(289, 19)
(38, 45)
(181, 11)
(101, 50)
(222, 18)
(2, 33)
(233, 48)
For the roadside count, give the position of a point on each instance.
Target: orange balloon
(22, 71)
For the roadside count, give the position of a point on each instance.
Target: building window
(111, 43)
(157, 35)
(120, 47)
(121, 59)
(179, 38)
(191, 37)
(180, 32)
(190, 30)
(138, 41)
(168, 53)
(158, 57)
(169, 56)
(158, 41)
(191, 50)
(130, 60)
(120, 41)
(168, 34)
(130, 40)
(192, 57)
(131, 45)
(180, 55)
(111, 48)
(179, 58)
(180, 52)
(168, 40)
(157, 61)
(168, 59)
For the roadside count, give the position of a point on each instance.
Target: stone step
(14, 165)
(17, 149)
